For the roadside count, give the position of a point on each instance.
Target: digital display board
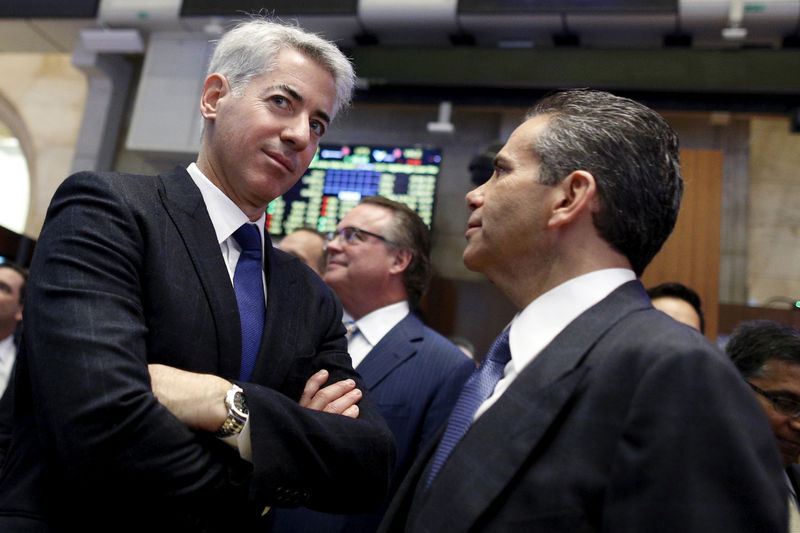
(340, 175)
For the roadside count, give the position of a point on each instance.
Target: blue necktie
(247, 283)
(478, 387)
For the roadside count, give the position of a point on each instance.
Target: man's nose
(297, 132)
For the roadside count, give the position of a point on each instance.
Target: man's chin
(471, 259)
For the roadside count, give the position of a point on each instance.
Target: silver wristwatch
(237, 413)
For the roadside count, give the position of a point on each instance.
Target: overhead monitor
(340, 175)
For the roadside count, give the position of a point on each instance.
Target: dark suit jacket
(6, 416)
(414, 375)
(128, 271)
(627, 422)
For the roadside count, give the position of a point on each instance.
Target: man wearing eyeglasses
(768, 356)
(379, 266)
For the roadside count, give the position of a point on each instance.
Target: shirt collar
(226, 217)
(7, 348)
(543, 319)
(375, 325)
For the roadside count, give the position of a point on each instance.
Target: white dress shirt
(372, 327)
(8, 352)
(226, 217)
(543, 319)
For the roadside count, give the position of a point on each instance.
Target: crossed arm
(197, 400)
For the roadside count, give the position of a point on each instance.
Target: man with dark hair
(379, 266)
(12, 295)
(592, 411)
(680, 302)
(768, 356)
(176, 373)
(308, 245)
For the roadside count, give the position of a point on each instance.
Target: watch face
(239, 403)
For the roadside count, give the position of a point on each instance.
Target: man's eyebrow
(298, 97)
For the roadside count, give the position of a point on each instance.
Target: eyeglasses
(353, 235)
(784, 406)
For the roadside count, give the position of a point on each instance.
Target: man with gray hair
(592, 411)
(176, 372)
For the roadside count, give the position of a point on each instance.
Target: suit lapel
(282, 321)
(509, 432)
(392, 350)
(184, 205)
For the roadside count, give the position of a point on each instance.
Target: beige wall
(774, 218)
(41, 100)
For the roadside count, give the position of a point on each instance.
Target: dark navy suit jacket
(626, 422)
(127, 272)
(414, 375)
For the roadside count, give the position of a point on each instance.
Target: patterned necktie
(350, 329)
(247, 283)
(477, 389)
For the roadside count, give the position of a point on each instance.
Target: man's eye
(280, 101)
(317, 127)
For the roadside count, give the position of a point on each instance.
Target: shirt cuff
(241, 442)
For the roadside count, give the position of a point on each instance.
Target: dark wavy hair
(755, 342)
(674, 289)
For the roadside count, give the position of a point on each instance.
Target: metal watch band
(237, 413)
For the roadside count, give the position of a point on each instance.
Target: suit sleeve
(319, 460)
(696, 454)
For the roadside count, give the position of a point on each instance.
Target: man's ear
(575, 195)
(402, 258)
(215, 88)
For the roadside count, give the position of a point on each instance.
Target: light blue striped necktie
(477, 389)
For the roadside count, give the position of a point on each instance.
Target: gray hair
(633, 155)
(250, 49)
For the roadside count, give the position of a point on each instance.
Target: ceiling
(650, 24)
(717, 49)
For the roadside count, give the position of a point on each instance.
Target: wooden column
(691, 254)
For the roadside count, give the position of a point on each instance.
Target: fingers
(339, 398)
(351, 411)
(344, 403)
(329, 398)
(313, 384)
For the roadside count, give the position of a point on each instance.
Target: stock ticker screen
(340, 175)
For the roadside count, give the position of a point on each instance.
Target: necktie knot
(248, 237)
(350, 329)
(500, 352)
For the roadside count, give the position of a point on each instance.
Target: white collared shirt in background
(543, 319)
(372, 327)
(8, 352)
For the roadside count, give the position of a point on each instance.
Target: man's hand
(197, 400)
(340, 398)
